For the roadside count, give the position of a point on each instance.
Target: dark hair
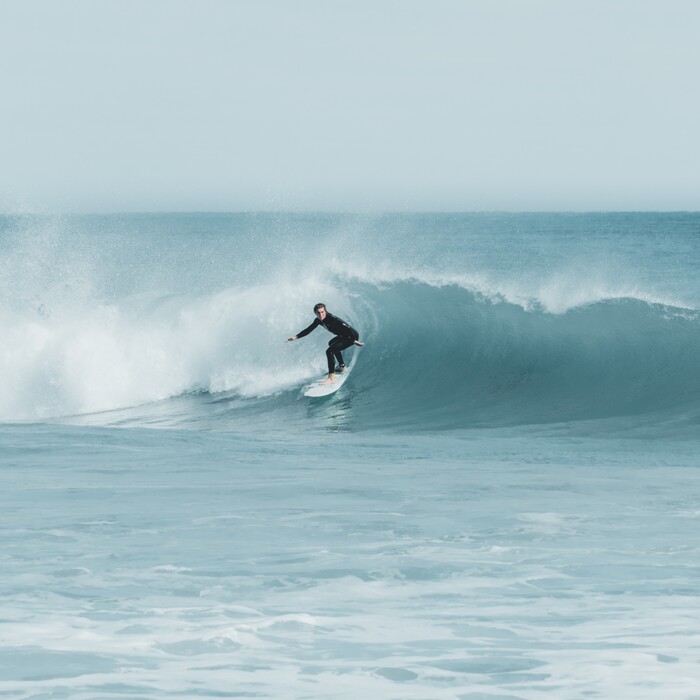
(319, 306)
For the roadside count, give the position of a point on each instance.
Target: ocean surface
(501, 503)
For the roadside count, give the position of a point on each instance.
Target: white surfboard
(316, 389)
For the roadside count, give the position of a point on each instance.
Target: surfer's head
(320, 311)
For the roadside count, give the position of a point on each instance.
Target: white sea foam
(376, 585)
(91, 357)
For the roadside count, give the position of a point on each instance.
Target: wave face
(468, 361)
(478, 321)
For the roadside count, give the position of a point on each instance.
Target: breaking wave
(442, 350)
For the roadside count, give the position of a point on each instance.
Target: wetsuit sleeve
(308, 329)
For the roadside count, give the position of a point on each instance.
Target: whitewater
(501, 502)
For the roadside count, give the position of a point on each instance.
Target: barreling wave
(438, 355)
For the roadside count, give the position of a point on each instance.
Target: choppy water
(502, 501)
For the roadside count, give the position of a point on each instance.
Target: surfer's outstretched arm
(306, 331)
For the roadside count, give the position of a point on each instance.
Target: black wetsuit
(345, 336)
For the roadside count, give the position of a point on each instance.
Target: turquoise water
(502, 501)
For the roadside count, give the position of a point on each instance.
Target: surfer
(345, 336)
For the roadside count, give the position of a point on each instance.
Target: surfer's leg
(330, 356)
(335, 348)
(331, 365)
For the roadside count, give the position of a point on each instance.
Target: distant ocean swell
(437, 355)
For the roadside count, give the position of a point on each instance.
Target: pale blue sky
(227, 105)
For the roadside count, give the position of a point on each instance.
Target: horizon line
(339, 212)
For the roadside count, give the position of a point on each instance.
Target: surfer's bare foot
(329, 379)
(357, 342)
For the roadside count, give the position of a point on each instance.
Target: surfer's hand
(292, 338)
(357, 342)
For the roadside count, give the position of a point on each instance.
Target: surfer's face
(321, 313)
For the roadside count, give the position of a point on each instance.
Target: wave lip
(557, 294)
